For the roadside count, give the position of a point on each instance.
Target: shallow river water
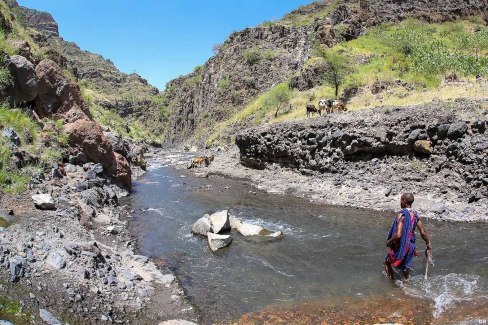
(326, 252)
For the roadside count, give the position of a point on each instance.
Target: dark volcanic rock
(338, 142)
(41, 21)
(58, 95)
(457, 130)
(88, 137)
(24, 83)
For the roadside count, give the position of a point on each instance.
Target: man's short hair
(408, 198)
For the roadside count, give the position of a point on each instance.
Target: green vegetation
(254, 55)
(269, 54)
(261, 110)
(300, 19)
(416, 52)
(111, 120)
(279, 97)
(193, 81)
(161, 101)
(224, 83)
(12, 179)
(13, 311)
(417, 166)
(339, 68)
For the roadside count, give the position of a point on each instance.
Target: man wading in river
(401, 238)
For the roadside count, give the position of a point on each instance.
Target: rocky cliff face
(255, 59)
(128, 95)
(38, 20)
(437, 150)
(248, 63)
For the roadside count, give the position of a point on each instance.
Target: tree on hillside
(339, 68)
(280, 96)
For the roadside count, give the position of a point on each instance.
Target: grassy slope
(113, 85)
(130, 129)
(12, 179)
(417, 53)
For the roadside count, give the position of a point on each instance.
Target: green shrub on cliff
(252, 55)
(416, 52)
(13, 180)
(224, 83)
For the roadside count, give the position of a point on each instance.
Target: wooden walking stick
(428, 260)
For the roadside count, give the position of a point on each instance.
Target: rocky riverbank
(76, 262)
(367, 158)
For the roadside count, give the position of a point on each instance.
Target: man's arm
(424, 234)
(396, 236)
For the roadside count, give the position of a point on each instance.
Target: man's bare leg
(406, 273)
(389, 270)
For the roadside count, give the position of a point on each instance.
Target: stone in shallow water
(220, 221)
(247, 229)
(217, 241)
(258, 233)
(234, 222)
(202, 226)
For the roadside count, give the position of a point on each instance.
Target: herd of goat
(326, 105)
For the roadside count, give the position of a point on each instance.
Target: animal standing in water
(401, 238)
(198, 161)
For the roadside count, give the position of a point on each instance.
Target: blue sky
(159, 39)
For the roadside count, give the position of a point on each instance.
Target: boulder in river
(257, 232)
(43, 201)
(202, 226)
(247, 229)
(220, 221)
(217, 241)
(234, 222)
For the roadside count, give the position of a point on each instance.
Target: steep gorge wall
(247, 64)
(227, 82)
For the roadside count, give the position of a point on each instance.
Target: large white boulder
(247, 229)
(220, 221)
(202, 226)
(43, 201)
(217, 241)
(234, 222)
(257, 233)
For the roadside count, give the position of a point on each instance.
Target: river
(327, 253)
